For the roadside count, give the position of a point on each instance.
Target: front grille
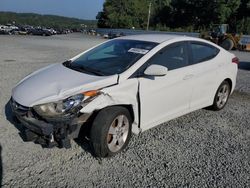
(18, 108)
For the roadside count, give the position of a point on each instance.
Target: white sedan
(125, 85)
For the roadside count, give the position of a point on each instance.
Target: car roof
(158, 38)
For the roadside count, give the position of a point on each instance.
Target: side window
(173, 56)
(202, 52)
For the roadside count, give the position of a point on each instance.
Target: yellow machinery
(228, 41)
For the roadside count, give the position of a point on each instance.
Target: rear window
(203, 52)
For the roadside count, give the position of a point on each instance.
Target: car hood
(56, 82)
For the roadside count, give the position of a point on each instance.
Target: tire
(221, 96)
(111, 131)
(227, 44)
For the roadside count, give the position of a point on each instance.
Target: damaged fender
(122, 94)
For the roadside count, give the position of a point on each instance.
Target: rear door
(205, 68)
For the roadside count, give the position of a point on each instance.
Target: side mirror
(156, 70)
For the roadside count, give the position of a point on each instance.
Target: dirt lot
(201, 149)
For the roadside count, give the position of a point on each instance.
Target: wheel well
(131, 111)
(127, 106)
(85, 129)
(230, 82)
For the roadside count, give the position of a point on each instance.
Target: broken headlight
(59, 108)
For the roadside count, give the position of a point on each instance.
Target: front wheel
(221, 96)
(110, 131)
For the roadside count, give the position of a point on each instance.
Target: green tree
(241, 20)
(123, 14)
(202, 12)
(161, 13)
(175, 14)
(43, 20)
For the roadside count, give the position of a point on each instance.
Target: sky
(83, 9)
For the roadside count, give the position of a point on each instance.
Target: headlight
(59, 108)
(66, 106)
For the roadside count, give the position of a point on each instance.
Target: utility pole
(149, 14)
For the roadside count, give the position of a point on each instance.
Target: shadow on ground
(244, 65)
(83, 140)
(85, 145)
(13, 120)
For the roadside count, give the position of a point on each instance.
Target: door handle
(187, 77)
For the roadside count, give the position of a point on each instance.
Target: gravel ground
(201, 149)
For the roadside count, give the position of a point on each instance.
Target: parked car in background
(62, 31)
(41, 32)
(91, 32)
(52, 31)
(23, 31)
(112, 35)
(129, 84)
(3, 30)
(7, 29)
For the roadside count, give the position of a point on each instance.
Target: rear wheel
(221, 96)
(110, 131)
(227, 44)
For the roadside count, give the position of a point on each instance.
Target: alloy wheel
(222, 96)
(118, 133)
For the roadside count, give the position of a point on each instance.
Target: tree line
(175, 15)
(44, 20)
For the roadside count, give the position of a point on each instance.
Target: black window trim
(190, 52)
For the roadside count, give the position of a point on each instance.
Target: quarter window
(203, 52)
(173, 56)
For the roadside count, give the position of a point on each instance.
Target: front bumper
(48, 133)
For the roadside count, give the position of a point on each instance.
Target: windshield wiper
(67, 63)
(82, 68)
(87, 69)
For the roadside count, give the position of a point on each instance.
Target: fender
(125, 93)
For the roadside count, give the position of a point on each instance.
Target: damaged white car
(125, 85)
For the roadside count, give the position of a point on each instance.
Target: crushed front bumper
(48, 133)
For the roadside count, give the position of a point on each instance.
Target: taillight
(235, 60)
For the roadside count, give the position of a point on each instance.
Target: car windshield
(113, 57)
